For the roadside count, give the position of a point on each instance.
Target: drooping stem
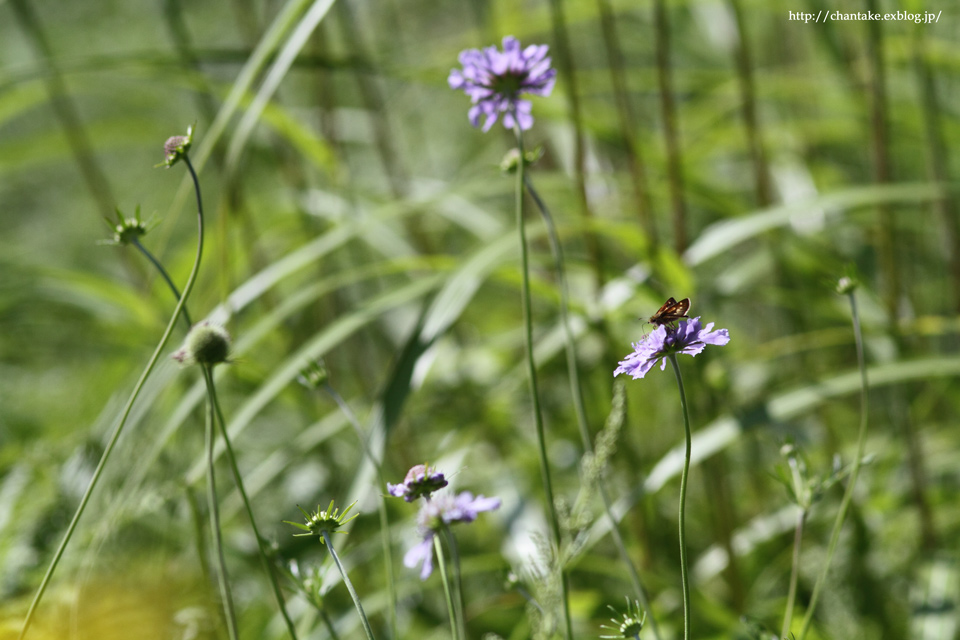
(576, 392)
(532, 378)
(794, 573)
(381, 505)
(854, 472)
(684, 573)
(346, 581)
(124, 416)
(166, 278)
(226, 596)
(238, 480)
(447, 589)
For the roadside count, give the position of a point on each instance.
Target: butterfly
(670, 311)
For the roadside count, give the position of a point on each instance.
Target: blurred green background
(716, 149)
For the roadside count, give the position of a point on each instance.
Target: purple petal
(422, 552)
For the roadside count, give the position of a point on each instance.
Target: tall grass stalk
(854, 473)
(576, 392)
(126, 410)
(532, 378)
(669, 116)
(684, 572)
(268, 565)
(569, 72)
(621, 96)
(223, 580)
(346, 581)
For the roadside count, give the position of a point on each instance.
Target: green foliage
(355, 216)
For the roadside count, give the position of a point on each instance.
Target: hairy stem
(532, 377)
(226, 596)
(576, 392)
(346, 581)
(238, 480)
(684, 573)
(794, 573)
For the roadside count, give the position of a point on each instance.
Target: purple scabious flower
(438, 513)
(495, 79)
(687, 337)
(420, 480)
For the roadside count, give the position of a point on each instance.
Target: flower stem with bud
(115, 436)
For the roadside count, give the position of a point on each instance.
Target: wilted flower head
(323, 521)
(440, 512)
(495, 79)
(687, 337)
(629, 624)
(175, 148)
(205, 344)
(420, 480)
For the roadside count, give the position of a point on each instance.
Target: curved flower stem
(576, 392)
(223, 581)
(457, 581)
(794, 573)
(532, 371)
(238, 480)
(381, 506)
(166, 277)
(115, 436)
(448, 592)
(854, 472)
(346, 581)
(684, 573)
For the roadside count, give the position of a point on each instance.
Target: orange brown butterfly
(670, 312)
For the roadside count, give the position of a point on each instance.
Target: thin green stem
(223, 581)
(457, 579)
(238, 479)
(684, 573)
(854, 472)
(166, 277)
(576, 392)
(115, 436)
(346, 580)
(448, 592)
(794, 573)
(532, 376)
(381, 506)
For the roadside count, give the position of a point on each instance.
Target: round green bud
(206, 344)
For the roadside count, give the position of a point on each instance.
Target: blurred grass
(356, 216)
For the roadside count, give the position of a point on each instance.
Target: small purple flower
(688, 337)
(435, 515)
(420, 480)
(494, 81)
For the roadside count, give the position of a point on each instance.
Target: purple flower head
(495, 79)
(688, 337)
(435, 515)
(420, 480)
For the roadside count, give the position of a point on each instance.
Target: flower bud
(207, 344)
